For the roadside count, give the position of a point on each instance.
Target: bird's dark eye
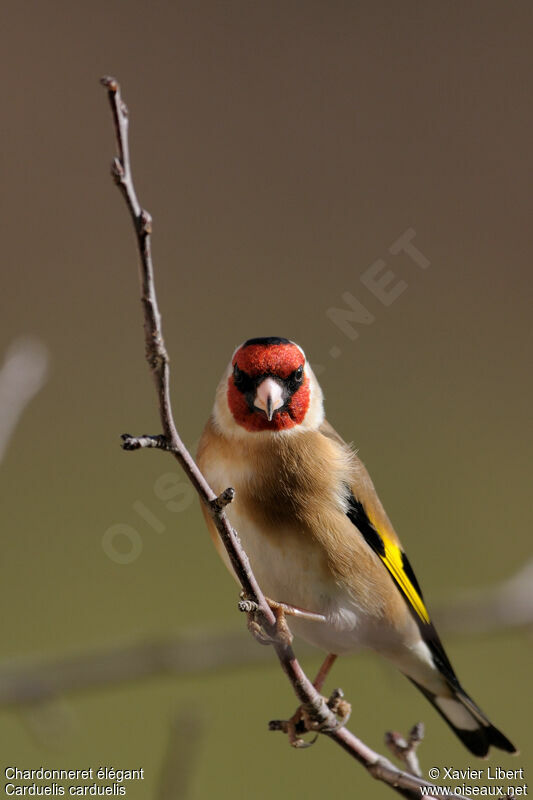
(294, 381)
(241, 380)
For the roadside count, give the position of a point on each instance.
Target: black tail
(468, 722)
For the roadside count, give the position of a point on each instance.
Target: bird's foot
(279, 633)
(310, 719)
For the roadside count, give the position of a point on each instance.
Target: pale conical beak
(269, 397)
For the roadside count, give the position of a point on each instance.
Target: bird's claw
(306, 719)
(279, 633)
(298, 724)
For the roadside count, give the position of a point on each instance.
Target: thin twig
(157, 357)
(405, 750)
(156, 353)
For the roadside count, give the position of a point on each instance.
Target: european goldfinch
(314, 529)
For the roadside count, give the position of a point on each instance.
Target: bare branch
(186, 734)
(316, 707)
(156, 353)
(505, 606)
(25, 682)
(23, 374)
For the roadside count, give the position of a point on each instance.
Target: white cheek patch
(458, 715)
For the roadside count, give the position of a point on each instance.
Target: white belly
(292, 574)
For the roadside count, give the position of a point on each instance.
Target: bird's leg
(303, 721)
(295, 611)
(281, 630)
(323, 671)
(336, 703)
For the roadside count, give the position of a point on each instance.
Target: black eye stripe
(247, 385)
(294, 381)
(243, 381)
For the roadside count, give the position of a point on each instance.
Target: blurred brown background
(282, 148)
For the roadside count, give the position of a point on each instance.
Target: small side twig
(223, 500)
(130, 442)
(405, 749)
(316, 706)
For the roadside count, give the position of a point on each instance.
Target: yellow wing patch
(394, 561)
(390, 553)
